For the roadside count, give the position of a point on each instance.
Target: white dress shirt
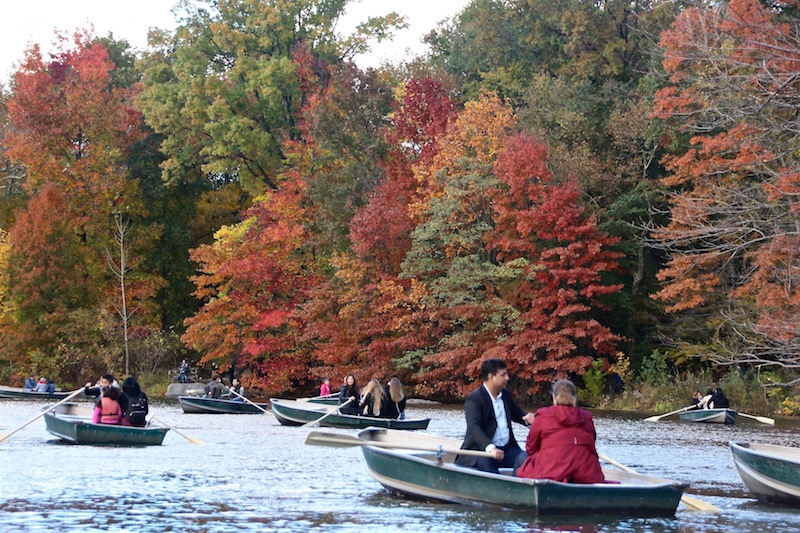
(501, 434)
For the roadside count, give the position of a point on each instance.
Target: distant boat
(710, 416)
(772, 473)
(219, 406)
(73, 423)
(433, 475)
(328, 399)
(294, 413)
(19, 393)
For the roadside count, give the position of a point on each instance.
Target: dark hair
(351, 391)
(131, 387)
(108, 377)
(111, 392)
(491, 366)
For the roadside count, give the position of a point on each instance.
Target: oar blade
(334, 440)
(699, 505)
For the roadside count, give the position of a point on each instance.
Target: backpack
(137, 411)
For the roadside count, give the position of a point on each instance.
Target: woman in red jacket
(560, 444)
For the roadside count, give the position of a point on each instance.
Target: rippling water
(252, 474)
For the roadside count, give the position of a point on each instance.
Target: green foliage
(594, 383)
(654, 370)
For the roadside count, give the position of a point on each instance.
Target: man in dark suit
(490, 410)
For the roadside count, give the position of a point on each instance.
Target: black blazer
(481, 423)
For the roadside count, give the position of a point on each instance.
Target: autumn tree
(732, 100)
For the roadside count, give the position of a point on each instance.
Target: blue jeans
(513, 457)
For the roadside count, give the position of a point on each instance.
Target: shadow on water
(253, 474)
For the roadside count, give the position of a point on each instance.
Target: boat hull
(771, 473)
(70, 423)
(292, 413)
(193, 404)
(422, 475)
(710, 416)
(17, 393)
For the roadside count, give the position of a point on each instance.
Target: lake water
(252, 474)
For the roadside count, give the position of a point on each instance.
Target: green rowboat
(198, 404)
(72, 423)
(710, 416)
(330, 399)
(772, 473)
(22, 394)
(294, 413)
(430, 475)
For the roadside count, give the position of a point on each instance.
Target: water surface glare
(252, 474)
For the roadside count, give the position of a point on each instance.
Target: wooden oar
(338, 440)
(326, 415)
(688, 501)
(187, 437)
(40, 415)
(762, 419)
(659, 417)
(251, 403)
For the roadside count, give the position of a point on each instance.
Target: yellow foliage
(4, 253)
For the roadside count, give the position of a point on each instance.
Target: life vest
(109, 411)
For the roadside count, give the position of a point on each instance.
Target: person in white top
(490, 410)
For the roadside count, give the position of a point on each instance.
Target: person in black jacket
(349, 391)
(394, 405)
(490, 410)
(719, 400)
(133, 403)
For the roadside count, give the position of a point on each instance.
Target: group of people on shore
(714, 399)
(126, 405)
(40, 385)
(373, 400)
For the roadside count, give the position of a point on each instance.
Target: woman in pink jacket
(560, 444)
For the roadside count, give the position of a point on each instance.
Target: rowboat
(433, 475)
(710, 416)
(329, 399)
(73, 423)
(18, 393)
(294, 413)
(194, 404)
(771, 472)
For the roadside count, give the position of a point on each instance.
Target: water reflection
(254, 475)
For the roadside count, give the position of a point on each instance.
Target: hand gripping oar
(762, 419)
(251, 403)
(688, 501)
(659, 417)
(40, 415)
(326, 415)
(338, 440)
(187, 437)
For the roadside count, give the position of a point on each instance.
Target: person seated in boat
(41, 386)
(705, 402)
(51, 386)
(696, 400)
(490, 409)
(107, 409)
(134, 404)
(719, 400)
(561, 441)
(349, 392)
(325, 388)
(394, 405)
(30, 384)
(236, 387)
(106, 380)
(214, 387)
(371, 399)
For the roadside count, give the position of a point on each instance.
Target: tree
(731, 104)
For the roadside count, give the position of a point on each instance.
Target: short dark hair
(108, 377)
(491, 366)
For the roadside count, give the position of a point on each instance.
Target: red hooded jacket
(560, 446)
